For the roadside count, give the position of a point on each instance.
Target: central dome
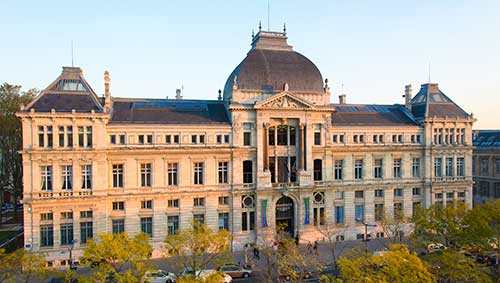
(271, 63)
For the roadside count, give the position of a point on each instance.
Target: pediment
(284, 100)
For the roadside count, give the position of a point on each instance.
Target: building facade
(272, 150)
(486, 165)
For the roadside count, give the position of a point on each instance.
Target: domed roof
(271, 63)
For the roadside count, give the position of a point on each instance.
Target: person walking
(256, 254)
(315, 248)
(309, 248)
(297, 240)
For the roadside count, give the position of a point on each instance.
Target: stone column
(265, 146)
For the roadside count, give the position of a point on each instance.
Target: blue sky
(151, 48)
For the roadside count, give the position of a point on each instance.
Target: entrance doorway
(285, 215)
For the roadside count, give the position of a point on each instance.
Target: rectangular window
(61, 136)
(460, 167)
(67, 215)
(438, 171)
(377, 169)
(484, 166)
(317, 134)
(173, 224)
(46, 235)
(202, 138)
(219, 139)
(270, 136)
(86, 214)
(416, 191)
(147, 204)
(176, 139)
(122, 139)
(168, 139)
(222, 172)
(141, 139)
(224, 221)
(400, 138)
(359, 213)
(415, 167)
(49, 136)
(398, 211)
(247, 172)
(89, 136)
(394, 138)
(341, 138)
(226, 138)
(224, 200)
(173, 203)
(118, 226)
(198, 202)
(397, 168)
(199, 219)
(86, 231)
(112, 139)
(318, 170)
(81, 136)
(69, 136)
(46, 216)
(339, 195)
(358, 169)
(118, 176)
(248, 220)
(147, 225)
(149, 139)
(46, 176)
(194, 139)
(339, 215)
(198, 173)
(41, 136)
(379, 193)
(282, 135)
(146, 174)
(359, 194)
(339, 164)
(67, 177)
(449, 166)
(247, 134)
(118, 205)
(172, 173)
(87, 177)
(398, 192)
(319, 216)
(379, 211)
(66, 234)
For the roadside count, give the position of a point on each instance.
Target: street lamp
(359, 220)
(71, 266)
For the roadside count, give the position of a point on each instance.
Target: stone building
(486, 165)
(271, 150)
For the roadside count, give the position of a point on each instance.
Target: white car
(159, 276)
(203, 274)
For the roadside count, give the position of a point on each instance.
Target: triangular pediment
(283, 100)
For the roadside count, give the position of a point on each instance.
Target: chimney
(408, 96)
(107, 93)
(342, 99)
(178, 94)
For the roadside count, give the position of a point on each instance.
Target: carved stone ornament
(285, 102)
(236, 122)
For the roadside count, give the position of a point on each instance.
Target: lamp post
(359, 220)
(71, 266)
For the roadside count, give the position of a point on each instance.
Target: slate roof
(430, 101)
(371, 115)
(271, 63)
(70, 91)
(486, 138)
(168, 111)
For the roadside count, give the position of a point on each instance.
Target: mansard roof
(168, 111)
(486, 138)
(372, 115)
(430, 102)
(70, 91)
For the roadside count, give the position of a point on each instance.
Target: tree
(11, 97)
(22, 266)
(452, 266)
(198, 247)
(117, 256)
(484, 228)
(331, 236)
(393, 227)
(396, 265)
(439, 224)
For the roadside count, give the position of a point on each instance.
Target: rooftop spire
(284, 28)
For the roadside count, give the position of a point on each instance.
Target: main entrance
(285, 215)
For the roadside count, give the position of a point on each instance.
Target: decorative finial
(326, 82)
(220, 95)
(235, 82)
(284, 28)
(285, 87)
(260, 25)
(253, 35)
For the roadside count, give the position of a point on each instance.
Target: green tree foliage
(117, 256)
(439, 224)
(22, 266)
(11, 97)
(396, 265)
(452, 266)
(483, 233)
(198, 247)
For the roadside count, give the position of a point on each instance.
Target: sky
(151, 48)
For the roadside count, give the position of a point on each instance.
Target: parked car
(235, 271)
(159, 276)
(7, 206)
(435, 247)
(304, 274)
(204, 274)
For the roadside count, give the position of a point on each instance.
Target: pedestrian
(309, 248)
(256, 254)
(297, 240)
(316, 247)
